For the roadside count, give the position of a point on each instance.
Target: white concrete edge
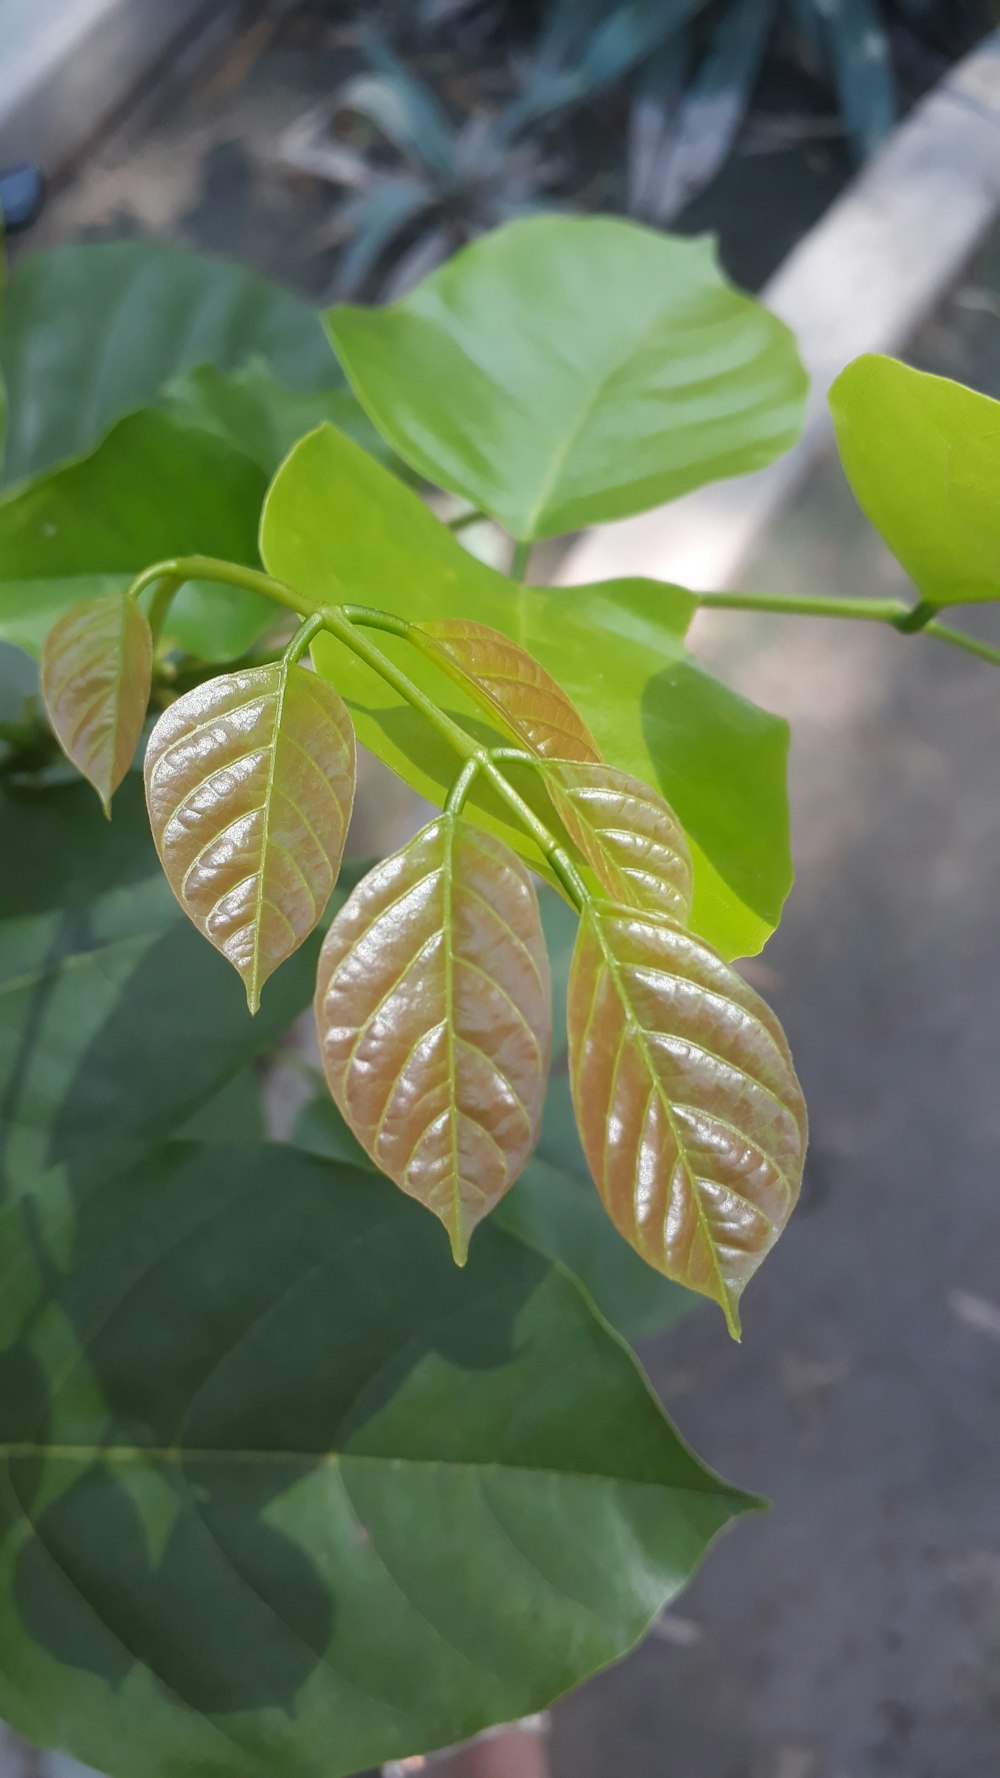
(862, 280)
(73, 63)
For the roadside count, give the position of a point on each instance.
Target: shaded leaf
(335, 525)
(433, 1006)
(283, 1491)
(156, 487)
(250, 784)
(629, 836)
(263, 417)
(116, 1020)
(713, 108)
(556, 347)
(511, 685)
(922, 455)
(92, 332)
(690, 1114)
(858, 48)
(97, 669)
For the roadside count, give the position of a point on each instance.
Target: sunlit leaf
(250, 783)
(511, 685)
(97, 668)
(337, 526)
(564, 371)
(691, 1117)
(923, 456)
(629, 836)
(283, 1492)
(433, 1006)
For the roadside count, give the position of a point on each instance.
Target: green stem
(971, 644)
(249, 580)
(464, 519)
(519, 565)
(302, 638)
(906, 619)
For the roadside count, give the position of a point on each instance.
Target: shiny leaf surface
(564, 371)
(116, 1019)
(511, 685)
(92, 332)
(922, 455)
(282, 1491)
(97, 667)
(250, 784)
(629, 836)
(690, 1114)
(433, 1007)
(155, 487)
(336, 525)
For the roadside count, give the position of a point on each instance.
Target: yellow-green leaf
(510, 684)
(433, 1006)
(689, 1110)
(628, 834)
(250, 783)
(97, 666)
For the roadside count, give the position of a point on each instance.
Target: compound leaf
(96, 672)
(511, 685)
(922, 455)
(564, 371)
(249, 784)
(690, 1114)
(433, 1006)
(281, 1491)
(629, 836)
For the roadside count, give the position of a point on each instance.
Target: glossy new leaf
(564, 371)
(283, 1492)
(336, 525)
(629, 836)
(250, 784)
(433, 1007)
(511, 685)
(690, 1114)
(97, 668)
(922, 455)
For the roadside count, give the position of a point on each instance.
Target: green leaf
(689, 1111)
(337, 526)
(923, 456)
(433, 1008)
(284, 1491)
(155, 487)
(250, 784)
(97, 668)
(89, 333)
(115, 1017)
(564, 371)
(263, 418)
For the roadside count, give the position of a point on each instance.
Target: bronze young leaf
(689, 1110)
(96, 670)
(250, 783)
(507, 681)
(627, 833)
(433, 1006)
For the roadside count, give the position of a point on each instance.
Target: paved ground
(855, 1633)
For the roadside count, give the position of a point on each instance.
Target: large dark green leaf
(91, 332)
(338, 526)
(285, 1492)
(567, 370)
(923, 456)
(115, 1017)
(155, 487)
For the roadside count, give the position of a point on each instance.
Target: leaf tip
(459, 1244)
(730, 1309)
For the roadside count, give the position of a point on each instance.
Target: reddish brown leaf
(510, 684)
(97, 667)
(434, 1018)
(688, 1107)
(629, 836)
(250, 783)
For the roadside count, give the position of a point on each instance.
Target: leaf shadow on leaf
(203, 1310)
